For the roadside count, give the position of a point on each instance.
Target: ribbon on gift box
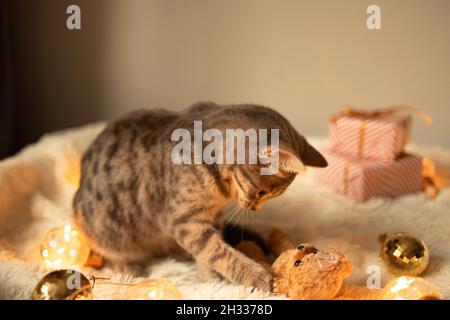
(430, 183)
(348, 111)
(364, 115)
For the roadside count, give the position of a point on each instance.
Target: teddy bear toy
(305, 273)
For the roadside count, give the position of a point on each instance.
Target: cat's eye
(301, 247)
(261, 193)
(298, 262)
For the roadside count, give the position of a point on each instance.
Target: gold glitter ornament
(64, 247)
(63, 285)
(154, 289)
(410, 288)
(404, 254)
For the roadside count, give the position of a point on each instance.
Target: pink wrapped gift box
(364, 179)
(382, 137)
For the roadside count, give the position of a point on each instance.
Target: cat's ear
(287, 160)
(290, 161)
(311, 157)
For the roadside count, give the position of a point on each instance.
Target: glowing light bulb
(154, 289)
(64, 247)
(410, 288)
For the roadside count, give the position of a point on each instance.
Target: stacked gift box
(366, 158)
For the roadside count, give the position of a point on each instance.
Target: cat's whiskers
(252, 218)
(236, 213)
(231, 215)
(244, 220)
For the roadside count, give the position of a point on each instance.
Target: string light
(410, 288)
(68, 284)
(154, 289)
(64, 247)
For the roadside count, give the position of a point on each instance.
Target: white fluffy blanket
(36, 189)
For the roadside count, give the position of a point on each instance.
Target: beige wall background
(304, 58)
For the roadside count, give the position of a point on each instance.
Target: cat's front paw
(255, 275)
(263, 280)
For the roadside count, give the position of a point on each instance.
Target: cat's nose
(253, 208)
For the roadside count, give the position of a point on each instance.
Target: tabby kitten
(134, 203)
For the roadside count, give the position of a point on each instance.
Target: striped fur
(134, 203)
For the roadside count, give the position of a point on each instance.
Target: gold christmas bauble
(63, 285)
(154, 289)
(64, 247)
(410, 288)
(404, 254)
